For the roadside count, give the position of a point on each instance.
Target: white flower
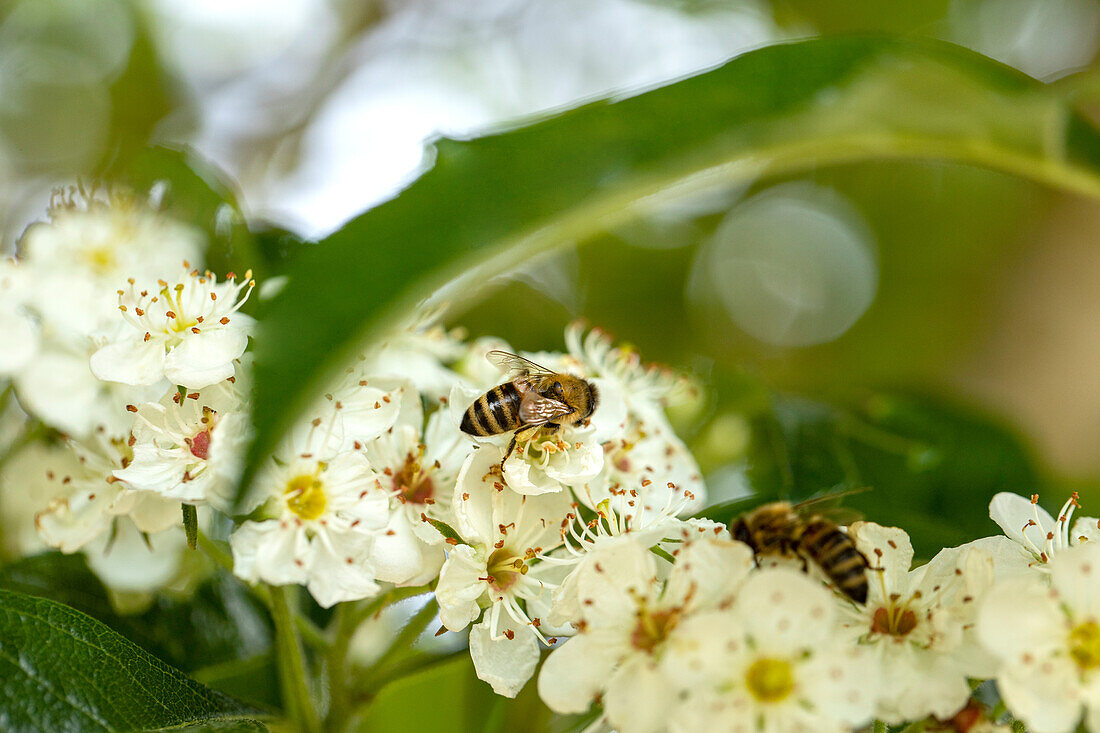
(646, 387)
(326, 511)
(1039, 536)
(129, 561)
(915, 623)
(503, 533)
(57, 386)
(1048, 640)
(190, 448)
(421, 472)
(18, 331)
(188, 332)
(89, 497)
(360, 407)
(642, 525)
(774, 663)
(86, 251)
(647, 466)
(629, 636)
(421, 354)
(28, 480)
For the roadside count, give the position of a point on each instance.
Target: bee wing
(535, 410)
(507, 362)
(828, 506)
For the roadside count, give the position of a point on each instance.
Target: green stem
(403, 642)
(291, 663)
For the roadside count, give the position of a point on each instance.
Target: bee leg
(507, 453)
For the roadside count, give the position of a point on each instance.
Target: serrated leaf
(63, 670)
(494, 201)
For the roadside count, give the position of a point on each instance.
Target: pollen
(305, 496)
(1084, 645)
(770, 680)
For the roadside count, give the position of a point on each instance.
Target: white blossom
(188, 331)
(324, 512)
(502, 534)
(71, 268)
(190, 447)
(420, 466)
(127, 560)
(773, 662)
(630, 633)
(1047, 638)
(88, 496)
(915, 623)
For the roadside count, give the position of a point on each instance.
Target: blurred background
(926, 329)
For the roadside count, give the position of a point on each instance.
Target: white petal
(506, 664)
(1020, 616)
(473, 491)
(397, 554)
(1085, 529)
(1014, 513)
(1045, 694)
(459, 587)
(611, 579)
(205, 358)
(20, 340)
(784, 611)
(268, 551)
(60, 389)
(1075, 575)
(132, 361)
(127, 563)
(576, 465)
(576, 672)
(339, 568)
(917, 682)
(708, 571)
(638, 697)
(888, 548)
(609, 419)
(842, 683)
(153, 512)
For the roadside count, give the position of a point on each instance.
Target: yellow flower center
(504, 569)
(305, 496)
(770, 680)
(1084, 645)
(652, 629)
(101, 258)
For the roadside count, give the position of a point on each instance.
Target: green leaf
(492, 202)
(219, 622)
(449, 533)
(63, 670)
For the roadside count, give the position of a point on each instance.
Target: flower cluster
(569, 540)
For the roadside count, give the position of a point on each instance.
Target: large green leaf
(218, 622)
(495, 200)
(63, 670)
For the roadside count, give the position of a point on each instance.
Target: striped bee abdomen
(837, 556)
(496, 411)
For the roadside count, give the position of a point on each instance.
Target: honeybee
(781, 529)
(534, 398)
